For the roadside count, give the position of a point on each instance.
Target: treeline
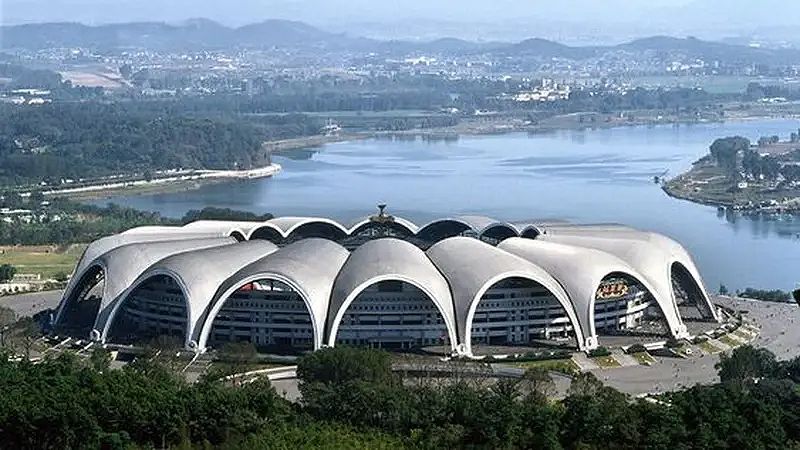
(735, 156)
(213, 213)
(352, 399)
(666, 99)
(774, 295)
(85, 140)
(66, 222)
(20, 77)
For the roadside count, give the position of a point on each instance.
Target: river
(584, 176)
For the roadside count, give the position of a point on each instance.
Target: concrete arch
(385, 260)
(665, 311)
(309, 267)
(143, 280)
(79, 290)
(443, 229)
(123, 264)
(471, 267)
(216, 306)
(238, 235)
(499, 232)
(201, 272)
(701, 301)
(581, 270)
(268, 233)
(337, 319)
(479, 225)
(398, 223)
(559, 295)
(530, 232)
(398, 227)
(290, 225)
(650, 254)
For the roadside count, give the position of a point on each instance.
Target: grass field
(606, 362)
(727, 340)
(566, 366)
(708, 347)
(644, 358)
(45, 260)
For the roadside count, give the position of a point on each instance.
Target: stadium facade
(305, 283)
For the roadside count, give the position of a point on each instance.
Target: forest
(352, 399)
(64, 222)
(91, 139)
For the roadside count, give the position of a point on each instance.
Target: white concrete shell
(199, 274)
(477, 224)
(472, 267)
(239, 229)
(104, 245)
(580, 271)
(411, 227)
(309, 267)
(123, 265)
(289, 225)
(652, 254)
(389, 259)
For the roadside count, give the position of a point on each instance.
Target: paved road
(780, 333)
(779, 322)
(25, 305)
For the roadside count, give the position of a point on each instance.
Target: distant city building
(303, 283)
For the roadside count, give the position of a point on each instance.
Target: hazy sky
(662, 16)
(321, 11)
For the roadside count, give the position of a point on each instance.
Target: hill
(203, 34)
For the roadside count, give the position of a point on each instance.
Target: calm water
(580, 176)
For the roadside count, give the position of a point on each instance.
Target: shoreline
(181, 181)
(680, 188)
(472, 127)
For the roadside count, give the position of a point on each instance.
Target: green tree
(725, 152)
(746, 364)
(7, 272)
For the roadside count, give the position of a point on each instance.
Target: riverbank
(707, 184)
(175, 181)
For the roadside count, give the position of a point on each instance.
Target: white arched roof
(265, 225)
(407, 224)
(308, 266)
(389, 259)
(478, 224)
(224, 227)
(123, 265)
(651, 254)
(199, 273)
(581, 270)
(153, 229)
(288, 225)
(472, 267)
(108, 243)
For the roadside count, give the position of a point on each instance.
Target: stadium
(303, 283)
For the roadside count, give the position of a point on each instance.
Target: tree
(7, 272)
(100, 359)
(61, 277)
(723, 290)
(338, 365)
(725, 152)
(746, 364)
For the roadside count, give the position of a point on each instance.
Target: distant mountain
(549, 49)
(206, 34)
(193, 34)
(707, 50)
